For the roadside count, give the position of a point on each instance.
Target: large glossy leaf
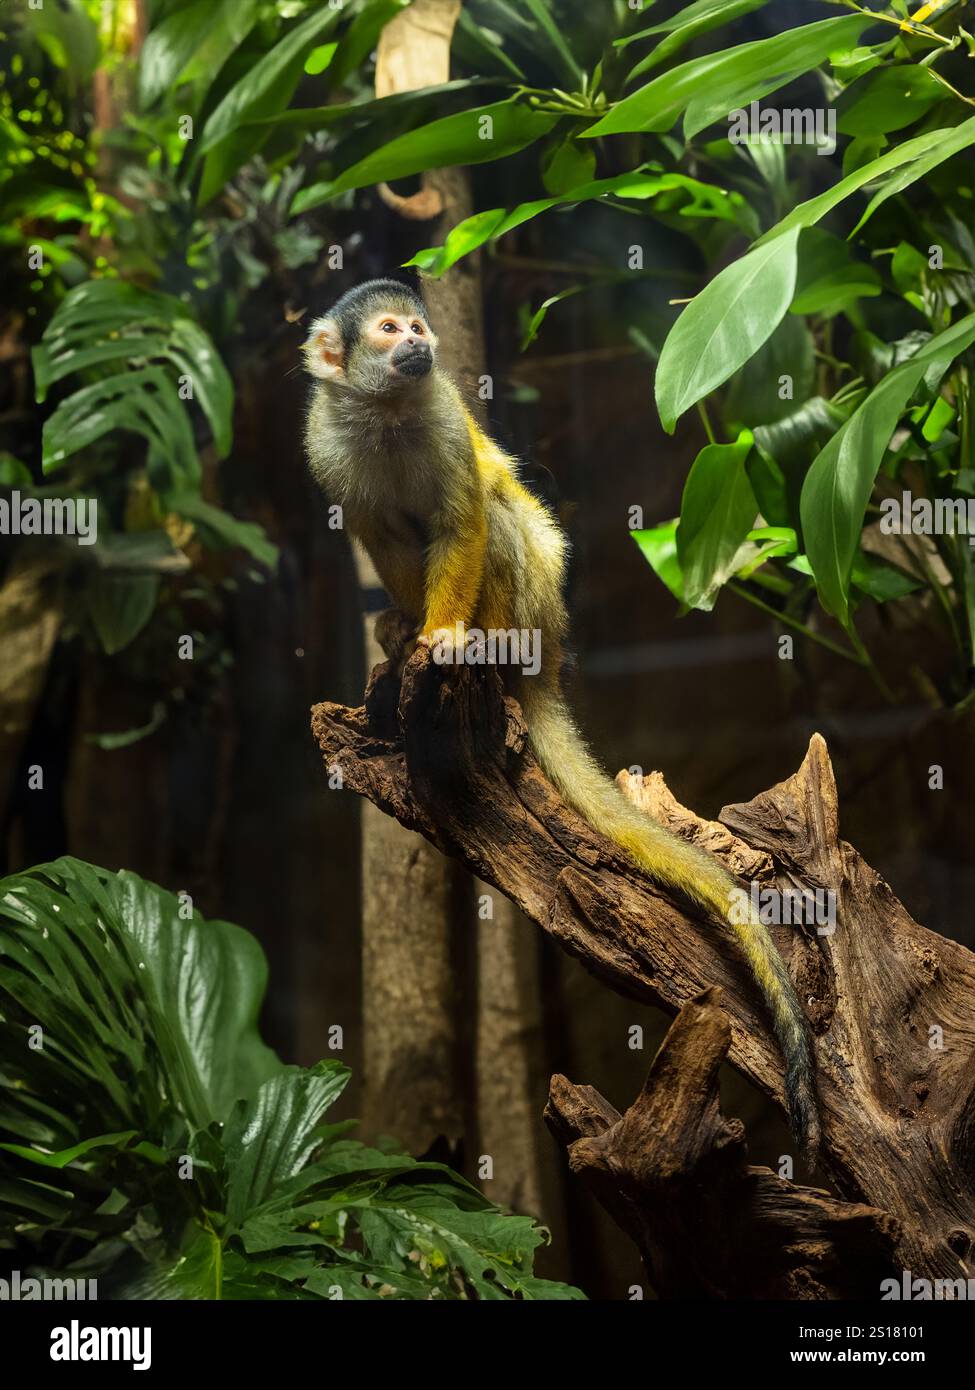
(235, 1188)
(681, 28)
(144, 402)
(106, 322)
(841, 479)
(133, 988)
(707, 89)
(469, 137)
(725, 325)
(222, 528)
(269, 83)
(285, 1113)
(375, 113)
(707, 315)
(717, 511)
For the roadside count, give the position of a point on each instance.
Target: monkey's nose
(412, 357)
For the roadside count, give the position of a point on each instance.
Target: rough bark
(892, 1004)
(673, 1173)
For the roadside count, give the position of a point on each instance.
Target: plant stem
(784, 618)
(867, 662)
(702, 410)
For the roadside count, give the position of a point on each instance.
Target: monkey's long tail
(673, 862)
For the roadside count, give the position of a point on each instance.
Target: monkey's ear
(324, 354)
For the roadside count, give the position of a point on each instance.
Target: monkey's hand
(447, 644)
(396, 633)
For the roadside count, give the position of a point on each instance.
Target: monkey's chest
(397, 543)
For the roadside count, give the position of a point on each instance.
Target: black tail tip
(804, 1113)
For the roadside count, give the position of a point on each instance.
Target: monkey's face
(390, 350)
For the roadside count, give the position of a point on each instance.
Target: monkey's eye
(389, 326)
(416, 328)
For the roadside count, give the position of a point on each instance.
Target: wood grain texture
(892, 1004)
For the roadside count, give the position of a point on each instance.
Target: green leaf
(784, 450)
(879, 580)
(757, 394)
(268, 85)
(144, 402)
(127, 737)
(138, 1001)
(477, 47)
(841, 479)
(541, 313)
(170, 46)
(105, 322)
(469, 137)
(550, 36)
(725, 325)
(120, 607)
(362, 36)
(467, 236)
(914, 159)
(13, 473)
(63, 1157)
(567, 166)
(142, 1022)
(708, 88)
(319, 58)
(829, 279)
(683, 27)
(888, 100)
(717, 511)
(285, 1113)
(658, 545)
(67, 34)
(223, 528)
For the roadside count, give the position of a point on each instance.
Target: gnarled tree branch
(891, 1003)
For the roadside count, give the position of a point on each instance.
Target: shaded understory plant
(151, 1141)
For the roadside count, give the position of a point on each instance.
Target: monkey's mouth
(412, 360)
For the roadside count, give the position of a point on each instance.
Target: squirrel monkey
(459, 542)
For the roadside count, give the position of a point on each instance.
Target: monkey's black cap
(371, 296)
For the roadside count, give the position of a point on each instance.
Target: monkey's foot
(396, 633)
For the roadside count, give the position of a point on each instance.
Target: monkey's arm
(455, 568)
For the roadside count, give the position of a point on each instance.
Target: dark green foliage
(152, 1141)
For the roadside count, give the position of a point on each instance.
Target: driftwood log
(892, 1005)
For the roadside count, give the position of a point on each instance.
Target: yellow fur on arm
(455, 566)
